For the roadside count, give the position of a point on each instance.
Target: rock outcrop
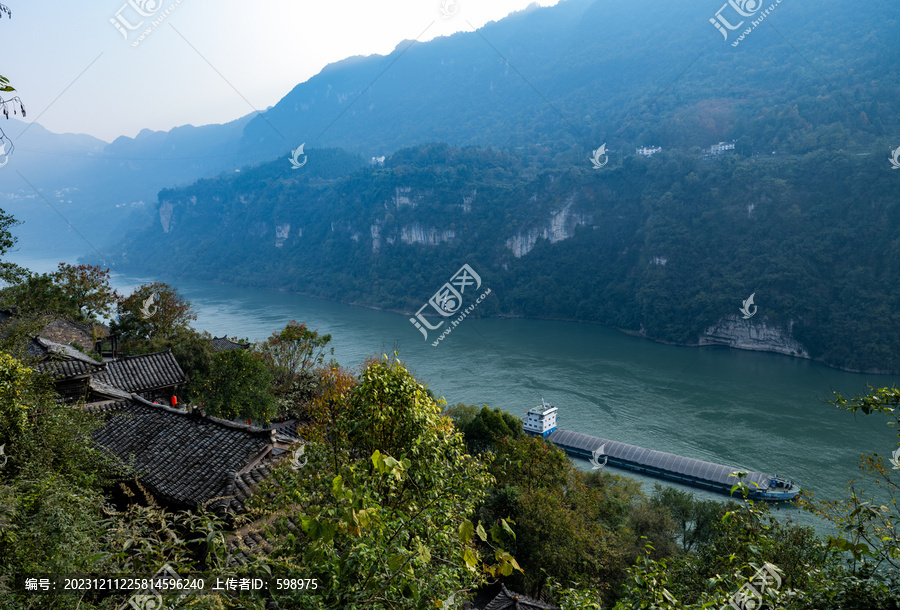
(561, 226)
(756, 333)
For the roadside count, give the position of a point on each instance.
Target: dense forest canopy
(665, 246)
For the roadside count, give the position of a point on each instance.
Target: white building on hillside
(648, 152)
(718, 149)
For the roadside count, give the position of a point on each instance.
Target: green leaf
(466, 529)
(424, 553)
(507, 528)
(378, 461)
(471, 559)
(481, 533)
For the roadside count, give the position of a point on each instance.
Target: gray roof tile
(143, 373)
(224, 344)
(182, 457)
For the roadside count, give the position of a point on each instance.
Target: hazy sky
(202, 62)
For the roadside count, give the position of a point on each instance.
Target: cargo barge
(541, 421)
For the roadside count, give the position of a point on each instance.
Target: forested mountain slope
(811, 77)
(666, 246)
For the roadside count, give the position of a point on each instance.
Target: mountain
(669, 247)
(567, 77)
(78, 190)
(795, 207)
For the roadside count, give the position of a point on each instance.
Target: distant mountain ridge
(799, 213)
(568, 77)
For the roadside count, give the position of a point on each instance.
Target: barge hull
(687, 471)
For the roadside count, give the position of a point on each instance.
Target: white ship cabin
(540, 420)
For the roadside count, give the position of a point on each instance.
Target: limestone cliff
(756, 333)
(561, 226)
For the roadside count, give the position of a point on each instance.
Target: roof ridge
(132, 357)
(66, 351)
(196, 412)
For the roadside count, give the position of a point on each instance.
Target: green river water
(754, 410)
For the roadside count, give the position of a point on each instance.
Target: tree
(293, 351)
(571, 527)
(238, 387)
(87, 286)
(696, 519)
(874, 529)
(381, 512)
(461, 414)
(489, 426)
(153, 311)
(292, 355)
(9, 272)
(50, 480)
(192, 350)
(37, 294)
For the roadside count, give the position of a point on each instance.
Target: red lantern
(174, 400)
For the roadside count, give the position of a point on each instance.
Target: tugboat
(541, 421)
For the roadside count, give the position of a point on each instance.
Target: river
(753, 410)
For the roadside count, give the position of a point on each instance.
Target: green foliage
(870, 530)
(238, 387)
(193, 352)
(529, 462)
(87, 287)
(482, 428)
(697, 520)
(50, 480)
(571, 527)
(380, 511)
(16, 394)
(668, 247)
(37, 294)
(9, 272)
(153, 311)
(77, 292)
(293, 351)
(292, 355)
(462, 415)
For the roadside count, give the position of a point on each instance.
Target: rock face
(561, 226)
(165, 215)
(416, 234)
(282, 231)
(757, 333)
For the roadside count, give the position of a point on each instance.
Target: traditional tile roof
(143, 373)
(224, 344)
(287, 428)
(239, 487)
(250, 541)
(182, 457)
(105, 391)
(61, 361)
(509, 600)
(63, 330)
(106, 406)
